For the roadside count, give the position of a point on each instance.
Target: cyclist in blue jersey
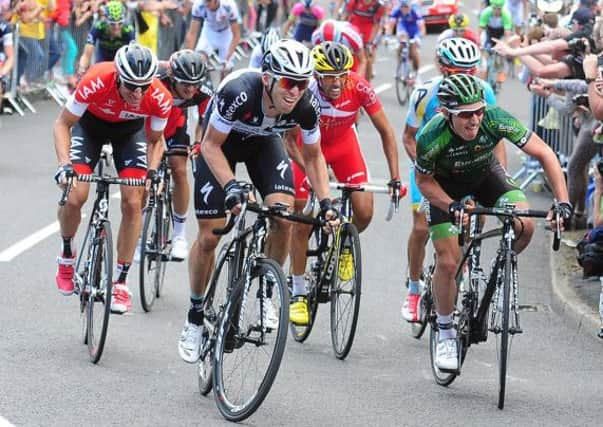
(107, 36)
(409, 26)
(454, 56)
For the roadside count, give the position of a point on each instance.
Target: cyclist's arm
(432, 190)
(388, 141)
(500, 153)
(316, 169)
(362, 61)
(155, 148)
(62, 135)
(293, 151)
(538, 149)
(409, 139)
(422, 28)
(211, 150)
(236, 37)
(192, 34)
(85, 59)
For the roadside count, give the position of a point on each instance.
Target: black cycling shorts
(128, 140)
(178, 144)
(267, 165)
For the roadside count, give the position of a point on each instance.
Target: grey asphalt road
(555, 373)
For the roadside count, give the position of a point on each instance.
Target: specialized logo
(282, 168)
(206, 191)
(90, 88)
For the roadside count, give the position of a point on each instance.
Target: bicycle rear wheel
(248, 354)
(442, 378)
(150, 257)
(213, 304)
(346, 291)
(402, 88)
(503, 336)
(101, 285)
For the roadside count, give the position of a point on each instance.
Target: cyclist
(107, 36)
(110, 104)
(459, 27)
(345, 33)
(454, 55)
(410, 28)
(248, 113)
(270, 36)
(497, 23)
(341, 95)
(221, 30)
(184, 78)
(455, 159)
(366, 16)
(306, 17)
(7, 59)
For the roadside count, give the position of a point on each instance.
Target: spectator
(61, 16)
(153, 13)
(7, 59)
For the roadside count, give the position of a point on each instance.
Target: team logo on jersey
(90, 88)
(160, 96)
(238, 102)
(206, 191)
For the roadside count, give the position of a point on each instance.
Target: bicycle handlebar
(130, 182)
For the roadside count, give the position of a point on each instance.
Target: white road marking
(33, 239)
(5, 423)
(383, 87)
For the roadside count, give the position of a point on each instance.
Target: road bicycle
(486, 303)
(155, 240)
(335, 269)
(495, 65)
(94, 265)
(405, 76)
(241, 350)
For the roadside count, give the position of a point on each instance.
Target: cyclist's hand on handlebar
(152, 178)
(195, 150)
(63, 174)
(565, 211)
(454, 211)
(329, 214)
(234, 196)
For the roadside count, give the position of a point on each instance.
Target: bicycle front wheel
(503, 336)
(442, 378)
(402, 88)
(250, 346)
(150, 257)
(165, 217)
(424, 306)
(345, 291)
(99, 298)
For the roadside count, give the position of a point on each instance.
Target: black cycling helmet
(136, 64)
(187, 66)
(460, 89)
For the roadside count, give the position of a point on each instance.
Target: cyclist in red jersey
(341, 95)
(366, 16)
(110, 104)
(345, 33)
(184, 77)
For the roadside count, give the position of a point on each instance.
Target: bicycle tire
(150, 258)
(417, 329)
(236, 349)
(504, 333)
(167, 218)
(441, 378)
(100, 294)
(298, 332)
(213, 302)
(83, 281)
(341, 285)
(402, 92)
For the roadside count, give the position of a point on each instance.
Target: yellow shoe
(346, 265)
(298, 311)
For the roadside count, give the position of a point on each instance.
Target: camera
(577, 46)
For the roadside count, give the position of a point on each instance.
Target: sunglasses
(333, 77)
(132, 87)
(289, 83)
(454, 70)
(467, 114)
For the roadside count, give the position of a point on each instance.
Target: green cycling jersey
(442, 153)
(488, 20)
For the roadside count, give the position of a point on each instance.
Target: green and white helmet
(460, 89)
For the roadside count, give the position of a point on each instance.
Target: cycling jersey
(341, 32)
(495, 25)
(217, 20)
(307, 20)
(465, 34)
(98, 94)
(442, 153)
(365, 14)
(107, 46)
(407, 23)
(237, 107)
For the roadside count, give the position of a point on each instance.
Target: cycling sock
(299, 285)
(445, 326)
(179, 224)
(121, 271)
(195, 312)
(67, 248)
(414, 287)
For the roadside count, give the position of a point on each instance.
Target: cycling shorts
(214, 41)
(128, 140)
(365, 31)
(494, 189)
(344, 157)
(178, 144)
(267, 165)
(402, 33)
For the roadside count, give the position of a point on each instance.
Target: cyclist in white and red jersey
(341, 94)
(345, 33)
(366, 16)
(111, 104)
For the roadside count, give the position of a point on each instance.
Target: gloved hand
(234, 194)
(453, 208)
(63, 173)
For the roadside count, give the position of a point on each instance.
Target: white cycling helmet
(458, 52)
(269, 37)
(288, 58)
(136, 64)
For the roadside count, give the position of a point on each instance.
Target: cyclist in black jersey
(244, 123)
(455, 159)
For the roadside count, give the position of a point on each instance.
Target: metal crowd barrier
(558, 135)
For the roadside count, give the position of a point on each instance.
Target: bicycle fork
(498, 303)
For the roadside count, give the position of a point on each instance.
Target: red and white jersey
(340, 32)
(365, 12)
(98, 93)
(340, 114)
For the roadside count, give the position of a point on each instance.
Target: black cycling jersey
(237, 107)
(6, 37)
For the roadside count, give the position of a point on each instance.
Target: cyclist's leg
(417, 239)
(299, 241)
(413, 53)
(178, 161)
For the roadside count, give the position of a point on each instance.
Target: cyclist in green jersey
(496, 21)
(455, 159)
